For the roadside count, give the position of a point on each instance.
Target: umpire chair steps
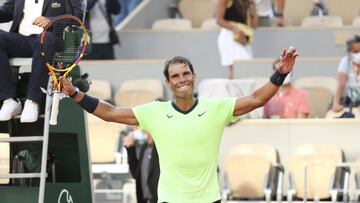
(18, 62)
(68, 140)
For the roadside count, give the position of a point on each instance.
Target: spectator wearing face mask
(348, 75)
(144, 167)
(288, 102)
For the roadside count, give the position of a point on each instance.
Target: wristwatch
(76, 92)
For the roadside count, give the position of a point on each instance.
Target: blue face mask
(139, 136)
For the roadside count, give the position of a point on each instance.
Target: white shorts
(231, 50)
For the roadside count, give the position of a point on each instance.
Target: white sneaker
(9, 109)
(30, 112)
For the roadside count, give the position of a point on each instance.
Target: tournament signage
(65, 197)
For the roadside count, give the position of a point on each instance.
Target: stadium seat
(246, 176)
(322, 21)
(172, 24)
(320, 90)
(347, 10)
(329, 83)
(324, 179)
(295, 10)
(259, 81)
(197, 10)
(210, 25)
(263, 150)
(107, 155)
(357, 181)
(219, 87)
(327, 149)
(136, 92)
(102, 133)
(100, 89)
(356, 21)
(253, 172)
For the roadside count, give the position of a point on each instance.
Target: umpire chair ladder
(18, 62)
(68, 146)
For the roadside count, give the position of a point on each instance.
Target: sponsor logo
(201, 114)
(56, 5)
(65, 197)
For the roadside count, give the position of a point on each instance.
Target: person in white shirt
(236, 18)
(266, 15)
(348, 75)
(28, 17)
(99, 21)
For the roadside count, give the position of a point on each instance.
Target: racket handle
(55, 108)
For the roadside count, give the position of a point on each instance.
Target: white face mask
(355, 58)
(288, 79)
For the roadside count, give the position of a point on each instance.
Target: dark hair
(351, 41)
(176, 60)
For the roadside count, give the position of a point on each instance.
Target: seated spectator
(144, 168)
(319, 8)
(288, 102)
(236, 33)
(348, 77)
(104, 36)
(265, 12)
(29, 18)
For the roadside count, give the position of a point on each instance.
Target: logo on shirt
(56, 5)
(201, 114)
(169, 116)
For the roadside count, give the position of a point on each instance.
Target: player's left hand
(41, 21)
(287, 60)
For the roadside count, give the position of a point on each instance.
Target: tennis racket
(63, 44)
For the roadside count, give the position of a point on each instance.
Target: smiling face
(181, 80)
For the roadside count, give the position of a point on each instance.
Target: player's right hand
(67, 87)
(287, 60)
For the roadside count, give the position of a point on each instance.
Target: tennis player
(187, 131)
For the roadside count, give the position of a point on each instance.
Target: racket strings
(63, 44)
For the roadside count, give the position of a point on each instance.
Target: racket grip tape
(55, 108)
